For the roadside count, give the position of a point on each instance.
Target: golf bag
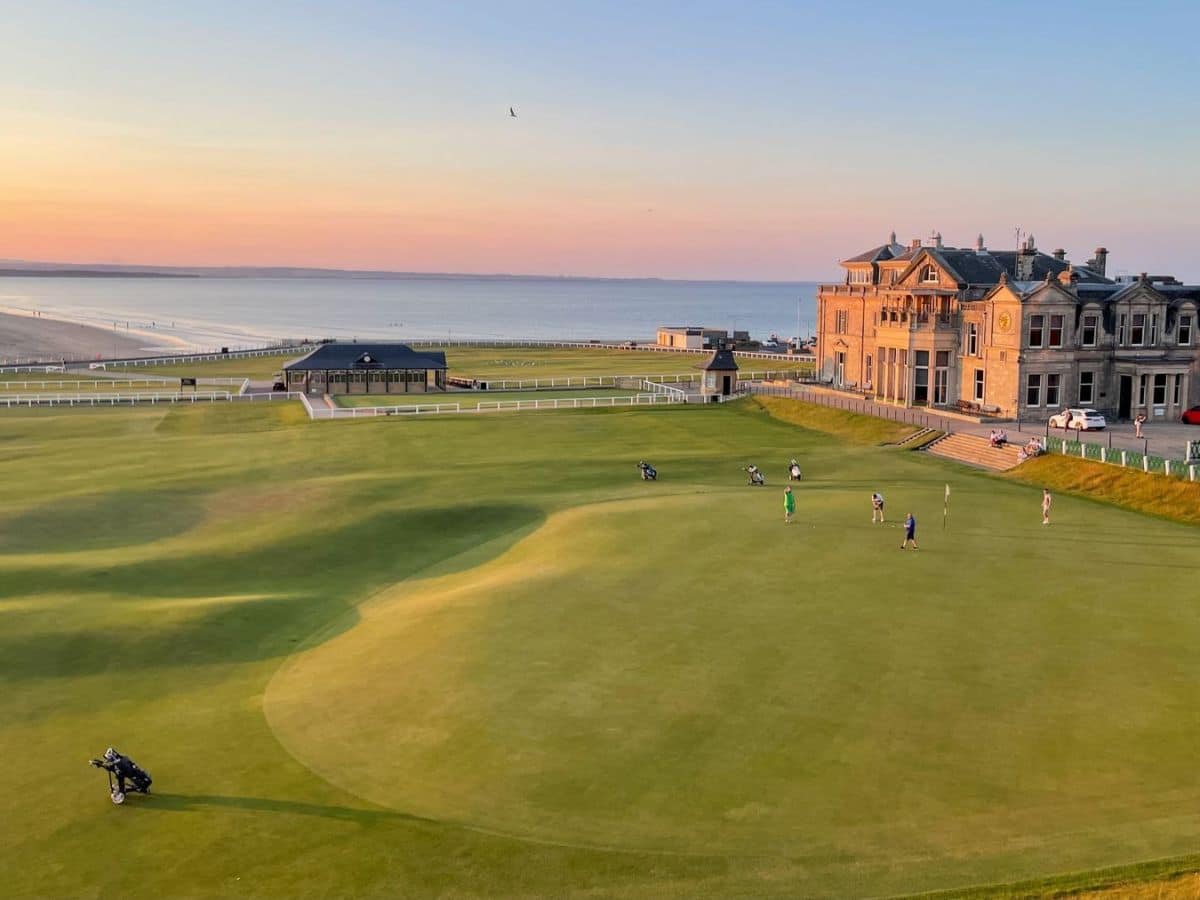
(756, 477)
(649, 473)
(124, 775)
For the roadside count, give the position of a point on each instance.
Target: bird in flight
(511, 112)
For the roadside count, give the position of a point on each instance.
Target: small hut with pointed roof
(720, 373)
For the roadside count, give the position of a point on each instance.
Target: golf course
(478, 656)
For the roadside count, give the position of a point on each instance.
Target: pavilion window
(1033, 390)
(1053, 382)
(1087, 387)
(1056, 331)
(1037, 326)
(1137, 333)
(1089, 330)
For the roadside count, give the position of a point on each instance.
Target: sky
(759, 141)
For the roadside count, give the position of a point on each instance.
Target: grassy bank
(472, 399)
(1170, 498)
(848, 426)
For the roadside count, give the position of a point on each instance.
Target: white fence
(80, 384)
(655, 387)
(484, 406)
(31, 400)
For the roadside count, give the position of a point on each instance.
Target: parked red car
(1192, 416)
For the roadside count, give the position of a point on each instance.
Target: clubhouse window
(1033, 391)
(842, 318)
(972, 339)
(929, 275)
(920, 377)
(979, 385)
(1160, 390)
(1137, 333)
(1090, 328)
(868, 371)
(1185, 331)
(1153, 329)
(1087, 387)
(1142, 391)
(1037, 325)
(860, 276)
(1175, 393)
(1053, 381)
(1122, 329)
(1056, 331)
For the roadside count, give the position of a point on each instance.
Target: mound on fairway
(479, 657)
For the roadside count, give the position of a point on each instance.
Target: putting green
(684, 673)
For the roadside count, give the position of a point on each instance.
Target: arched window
(929, 274)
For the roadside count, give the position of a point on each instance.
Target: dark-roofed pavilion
(376, 368)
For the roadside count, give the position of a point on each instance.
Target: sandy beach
(27, 338)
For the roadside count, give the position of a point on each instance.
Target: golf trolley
(649, 473)
(124, 775)
(757, 479)
(793, 471)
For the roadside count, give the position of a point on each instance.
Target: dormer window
(860, 276)
(929, 275)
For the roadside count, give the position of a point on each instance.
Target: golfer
(910, 532)
(1047, 501)
(877, 507)
(789, 505)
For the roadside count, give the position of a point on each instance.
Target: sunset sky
(696, 140)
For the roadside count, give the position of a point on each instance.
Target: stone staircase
(973, 450)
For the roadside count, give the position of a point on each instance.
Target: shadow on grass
(309, 582)
(197, 802)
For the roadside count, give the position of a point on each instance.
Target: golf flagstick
(945, 507)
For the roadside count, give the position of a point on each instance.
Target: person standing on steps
(1047, 501)
(910, 532)
(789, 505)
(1138, 422)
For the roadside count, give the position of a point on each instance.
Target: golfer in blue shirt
(910, 532)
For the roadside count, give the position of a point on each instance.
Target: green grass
(477, 656)
(506, 362)
(849, 426)
(471, 399)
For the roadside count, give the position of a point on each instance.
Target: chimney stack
(916, 242)
(1099, 261)
(979, 245)
(1024, 261)
(1060, 254)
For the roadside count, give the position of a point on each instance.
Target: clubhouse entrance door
(1125, 397)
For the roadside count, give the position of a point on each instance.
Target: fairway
(478, 656)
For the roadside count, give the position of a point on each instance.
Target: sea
(209, 312)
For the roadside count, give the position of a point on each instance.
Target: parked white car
(1079, 419)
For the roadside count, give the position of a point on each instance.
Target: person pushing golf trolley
(649, 473)
(122, 769)
(756, 476)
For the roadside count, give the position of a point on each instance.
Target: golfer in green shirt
(789, 505)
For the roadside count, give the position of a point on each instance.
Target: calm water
(208, 312)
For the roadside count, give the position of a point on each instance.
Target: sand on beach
(38, 339)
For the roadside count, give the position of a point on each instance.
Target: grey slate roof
(877, 254)
(368, 357)
(721, 361)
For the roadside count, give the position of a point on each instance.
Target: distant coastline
(32, 269)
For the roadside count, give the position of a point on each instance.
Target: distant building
(690, 337)
(1014, 332)
(377, 368)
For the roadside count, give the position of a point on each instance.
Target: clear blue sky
(760, 140)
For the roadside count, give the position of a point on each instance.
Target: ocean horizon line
(20, 268)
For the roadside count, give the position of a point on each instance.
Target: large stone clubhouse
(1008, 332)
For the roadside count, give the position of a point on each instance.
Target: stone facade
(1013, 333)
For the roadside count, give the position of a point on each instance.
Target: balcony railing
(914, 321)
